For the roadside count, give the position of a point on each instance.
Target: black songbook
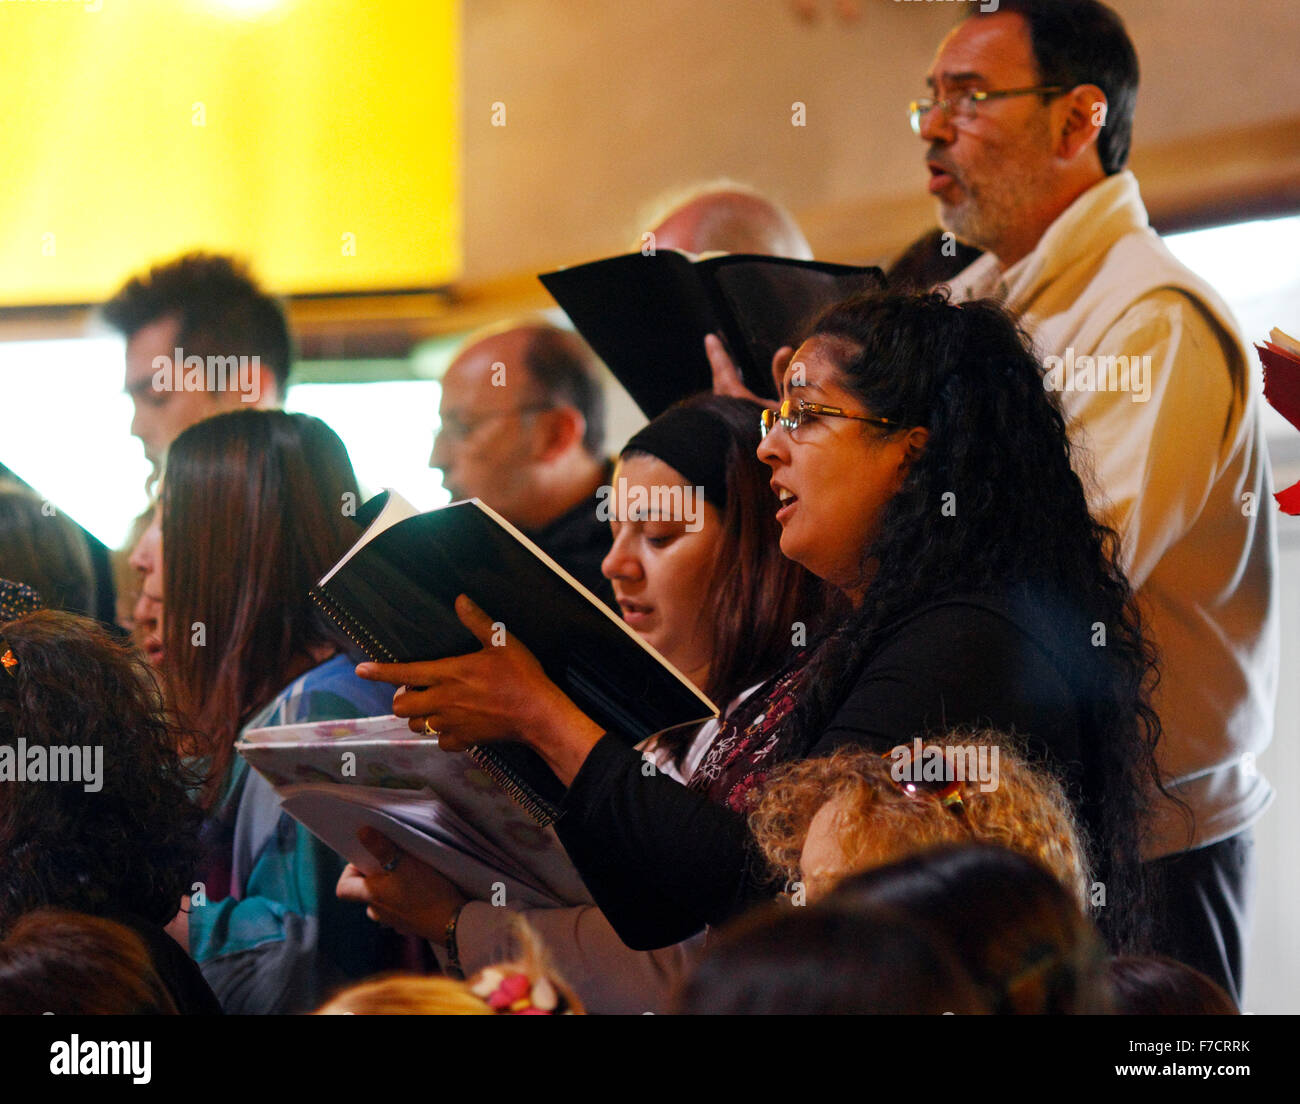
(393, 595)
(646, 315)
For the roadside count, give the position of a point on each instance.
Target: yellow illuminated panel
(316, 138)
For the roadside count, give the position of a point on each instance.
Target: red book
(1281, 360)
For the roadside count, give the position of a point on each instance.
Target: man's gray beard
(966, 223)
(1000, 204)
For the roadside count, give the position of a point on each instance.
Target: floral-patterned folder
(335, 776)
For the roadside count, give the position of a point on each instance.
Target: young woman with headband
(710, 591)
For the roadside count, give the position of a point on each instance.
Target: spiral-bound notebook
(336, 776)
(393, 595)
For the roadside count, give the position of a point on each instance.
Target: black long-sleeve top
(662, 861)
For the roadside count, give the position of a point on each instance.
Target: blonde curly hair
(878, 820)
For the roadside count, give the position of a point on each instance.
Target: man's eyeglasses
(794, 412)
(962, 107)
(457, 429)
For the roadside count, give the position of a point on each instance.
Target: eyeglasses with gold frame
(962, 106)
(792, 413)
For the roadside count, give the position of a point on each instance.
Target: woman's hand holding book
(499, 693)
(408, 895)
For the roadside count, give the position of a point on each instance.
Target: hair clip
(516, 994)
(9, 661)
(950, 797)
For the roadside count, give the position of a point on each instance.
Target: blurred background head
(145, 564)
(1018, 932)
(829, 961)
(205, 305)
(69, 964)
(42, 548)
(722, 216)
(522, 422)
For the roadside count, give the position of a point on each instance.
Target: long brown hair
(255, 511)
(763, 607)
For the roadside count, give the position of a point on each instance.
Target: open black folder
(646, 316)
(393, 594)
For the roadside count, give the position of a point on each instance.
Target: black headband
(692, 441)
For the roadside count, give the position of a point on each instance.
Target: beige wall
(607, 104)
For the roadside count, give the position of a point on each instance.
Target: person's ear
(272, 397)
(1079, 118)
(914, 444)
(558, 430)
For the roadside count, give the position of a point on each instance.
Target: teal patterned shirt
(282, 941)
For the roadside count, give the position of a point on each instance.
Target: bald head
(522, 421)
(731, 220)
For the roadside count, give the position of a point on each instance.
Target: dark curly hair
(128, 848)
(1022, 529)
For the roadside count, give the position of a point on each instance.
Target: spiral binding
(515, 787)
(533, 805)
(351, 626)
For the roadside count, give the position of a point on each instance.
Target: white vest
(1204, 567)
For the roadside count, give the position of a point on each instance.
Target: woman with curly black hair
(919, 466)
(991, 507)
(95, 809)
